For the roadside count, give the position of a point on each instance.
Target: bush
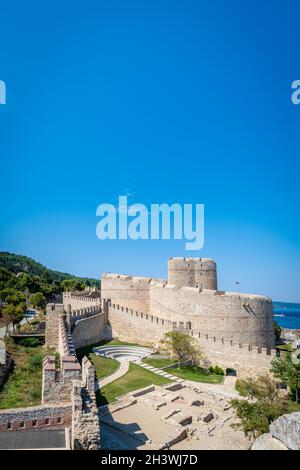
(216, 370)
(35, 362)
(30, 342)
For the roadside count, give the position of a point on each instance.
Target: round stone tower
(193, 272)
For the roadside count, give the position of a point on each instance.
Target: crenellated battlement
(129, 324)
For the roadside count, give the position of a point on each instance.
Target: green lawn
(24, 384)
(293, 406)
(159, 362)
(103, 365)
(241, 387)
(137, 377)
(196, 374)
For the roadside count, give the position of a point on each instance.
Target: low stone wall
(88, 330)
(57, 384)
(35, 417)
(85, 423)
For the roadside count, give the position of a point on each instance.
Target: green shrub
(216, 370)
(30, 342)
(35, 362)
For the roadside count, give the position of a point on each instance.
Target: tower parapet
(193, 272)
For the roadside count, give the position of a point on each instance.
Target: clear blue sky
(178, 101)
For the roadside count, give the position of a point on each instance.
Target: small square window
(34, 423)
(8, 426)
(47, 421)
(22, 424)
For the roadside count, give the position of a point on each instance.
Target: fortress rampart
(131, 325)
(80, 300)
(240, 317)
(88, 330)
(132, 291)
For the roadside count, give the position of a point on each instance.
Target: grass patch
(159, 362)
(137, 377)
(241, 387)
(103, 365)
(196, 374)
(285, 347)
(24, 384)
(293, 406)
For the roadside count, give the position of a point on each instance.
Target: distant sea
(287, 315)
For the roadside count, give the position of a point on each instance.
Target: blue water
(287, 315)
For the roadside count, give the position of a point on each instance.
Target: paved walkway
(124, 366)
(161, 372)
(226, 389)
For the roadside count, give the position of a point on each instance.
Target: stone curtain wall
(134, 326)
(132, 291)
(75, 301)
(35, 417)
(74, 315)
(88, 330)
(242, 317)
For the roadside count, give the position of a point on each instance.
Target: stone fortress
(234, 330)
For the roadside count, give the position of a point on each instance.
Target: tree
(72, 284)
(287, 369)
(182, 346)
(38, 300)
(15, 313)
(264, 404)
(277, 331)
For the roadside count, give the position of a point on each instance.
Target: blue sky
(179, 101)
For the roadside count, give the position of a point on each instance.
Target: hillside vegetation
(22, 264)
(24, 281)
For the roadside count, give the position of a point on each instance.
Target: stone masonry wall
(85, 423)
(57, 383)
(192, 272)
(76, 301)
(132, 291)
(53, 312)
(241, 317)
(35, 417)
(88, 330)
(134, 326)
